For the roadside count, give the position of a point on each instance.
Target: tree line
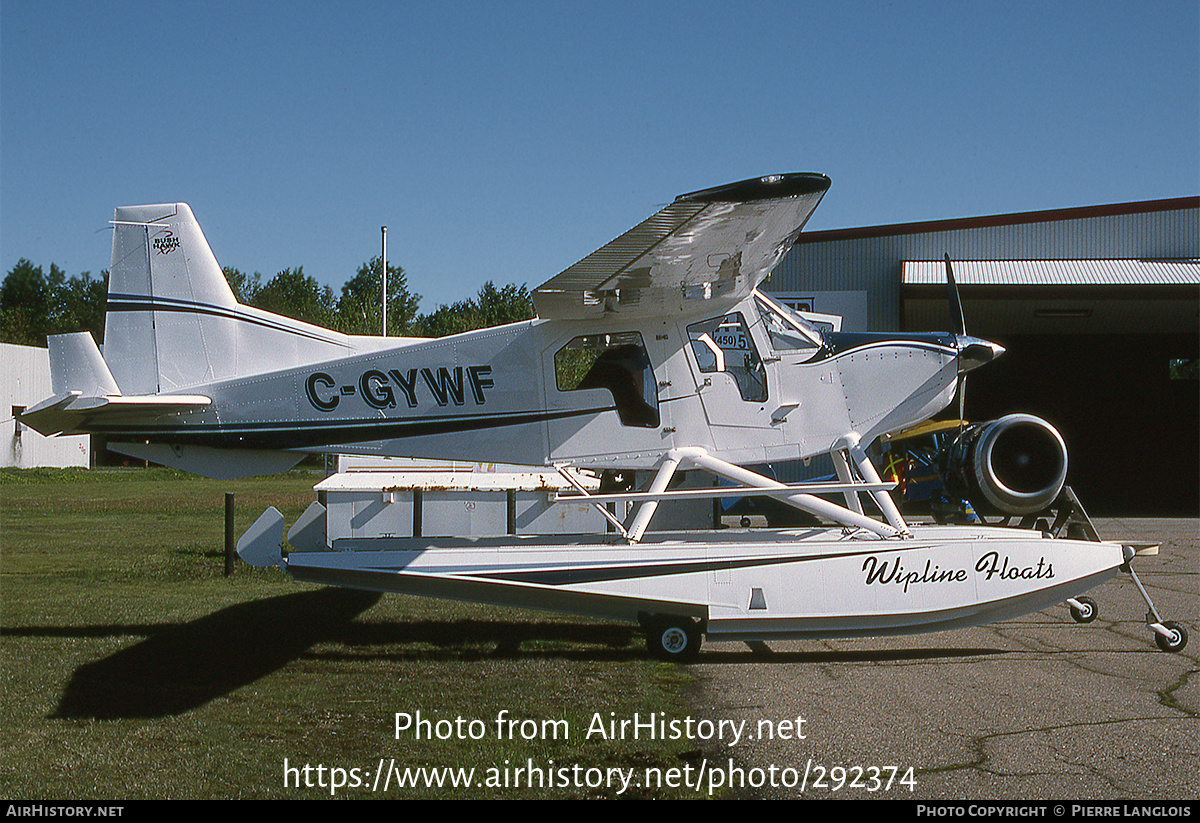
(35, 304)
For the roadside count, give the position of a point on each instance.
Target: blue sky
(504, 141)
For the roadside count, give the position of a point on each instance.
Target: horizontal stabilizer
(72, 411)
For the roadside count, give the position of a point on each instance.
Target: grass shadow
(181, 667)
(473, 639)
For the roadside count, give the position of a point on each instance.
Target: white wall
(25, 381)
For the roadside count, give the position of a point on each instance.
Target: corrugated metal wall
(25, 382)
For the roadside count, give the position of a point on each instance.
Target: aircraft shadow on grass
(180, 667)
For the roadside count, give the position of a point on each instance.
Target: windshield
(786, 329)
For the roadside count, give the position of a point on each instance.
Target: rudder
(163, 329)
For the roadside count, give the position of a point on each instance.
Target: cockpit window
(787, 330)
(617, 362)
(723, 344)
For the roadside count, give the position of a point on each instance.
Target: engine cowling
(1016, 465)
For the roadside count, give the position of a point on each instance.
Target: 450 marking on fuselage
(378, 389)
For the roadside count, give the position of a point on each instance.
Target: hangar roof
(1054, 272)
(994, 220)
(1006, 297)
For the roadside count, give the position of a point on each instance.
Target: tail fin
(172, 320)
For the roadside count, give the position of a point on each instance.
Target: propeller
(955, 302)
(972, 351)
(956, 308)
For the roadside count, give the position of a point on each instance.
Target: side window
(723, 344)
(617, 362)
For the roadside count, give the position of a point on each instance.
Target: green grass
(132, 668)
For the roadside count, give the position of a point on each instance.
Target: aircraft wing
(707, 250)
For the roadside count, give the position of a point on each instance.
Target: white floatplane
(656, 354)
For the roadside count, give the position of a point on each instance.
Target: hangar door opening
(1112, 366)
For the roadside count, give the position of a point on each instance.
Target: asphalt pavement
(1040, 707)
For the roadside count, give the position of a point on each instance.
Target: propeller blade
(956, 309)
(955, 302)
(962, 400)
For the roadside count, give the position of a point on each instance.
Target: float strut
(645, 510)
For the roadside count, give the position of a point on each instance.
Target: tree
(446, 320)
(245, 287)
(509, 304)
(25, 300)
(358, 309)
(295, 295)
(491, 307)
(79, 305)
(34, 305)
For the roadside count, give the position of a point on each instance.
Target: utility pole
(383, 291)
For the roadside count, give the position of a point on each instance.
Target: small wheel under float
(1083, 609)
(1175, 640)
(672, 638)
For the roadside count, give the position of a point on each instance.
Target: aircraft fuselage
(584, 392)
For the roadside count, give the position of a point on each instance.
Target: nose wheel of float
(1169, 636)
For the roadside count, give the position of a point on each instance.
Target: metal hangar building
(1098, 308)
